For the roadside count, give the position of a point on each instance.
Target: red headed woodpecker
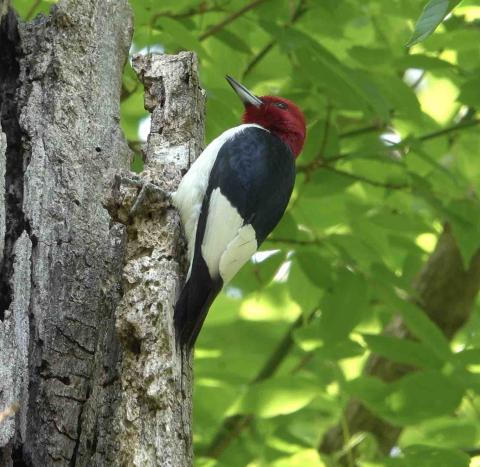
(232, 197)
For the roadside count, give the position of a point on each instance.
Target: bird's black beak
(247, 97)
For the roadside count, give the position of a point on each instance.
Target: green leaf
(425, 329)
(276, 396)
(425, 62)
(430, 456)
(315, 267)
(445, 431)
(402, 351)
(233, 40)
(346, 85)
(301, 289)
(181, 35)
(344, 307)
(415, 397)
(309, 337)
(432, 15)
(467, 357)
(464, 215)
(470, 92)
(305, 457)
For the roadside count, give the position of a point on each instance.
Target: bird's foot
(133, 197)
(150, 198)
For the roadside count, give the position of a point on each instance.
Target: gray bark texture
(155, 410)
(78, 387)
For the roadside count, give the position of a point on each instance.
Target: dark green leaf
(402, 351)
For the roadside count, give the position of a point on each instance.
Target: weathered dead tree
(155, 410)
(72, 391)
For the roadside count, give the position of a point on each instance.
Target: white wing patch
(227, 244)
(223, 224)
(238, 252)
(191, 191)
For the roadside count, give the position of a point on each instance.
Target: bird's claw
(133, 197)
(151, 197)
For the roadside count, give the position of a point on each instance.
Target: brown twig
(297, 14)
(369, 181)
(229, 19)
(448, 130)
(294, 241)
(200, 10)
(319, 162)
(362, 131)
(34, 6)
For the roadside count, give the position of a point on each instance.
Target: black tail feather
(195, 300)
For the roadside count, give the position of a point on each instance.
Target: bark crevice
(59, 354)
(10, 56)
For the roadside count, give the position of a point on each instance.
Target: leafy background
(392, 154)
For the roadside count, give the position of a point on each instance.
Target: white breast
(191, 191)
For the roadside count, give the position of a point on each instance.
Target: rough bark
(61, 257)
(155, 411)
(446, 291)
(87, 352)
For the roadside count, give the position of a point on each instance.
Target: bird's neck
(291, 139)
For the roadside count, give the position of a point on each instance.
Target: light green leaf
(415, 397)
(350, 87)
(185, 39)
(308, 457)
(276, 396)
(344, 307)
(432, 15)
(430, 456)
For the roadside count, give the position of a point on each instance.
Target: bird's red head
(277, 114)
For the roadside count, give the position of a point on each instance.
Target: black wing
(255, 171)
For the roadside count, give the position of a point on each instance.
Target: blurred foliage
(392, 153)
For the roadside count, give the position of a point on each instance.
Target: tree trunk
(82, 395)
(155, 410)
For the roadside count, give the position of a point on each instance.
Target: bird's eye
(281, 105)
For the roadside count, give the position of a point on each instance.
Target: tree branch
(360, 178)
(320, 162)
(446, 291)
(257, 58)
(445, 131)
(293, 241)
(200, 10)
(229, 19)
(361, 131)
(297, 14)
